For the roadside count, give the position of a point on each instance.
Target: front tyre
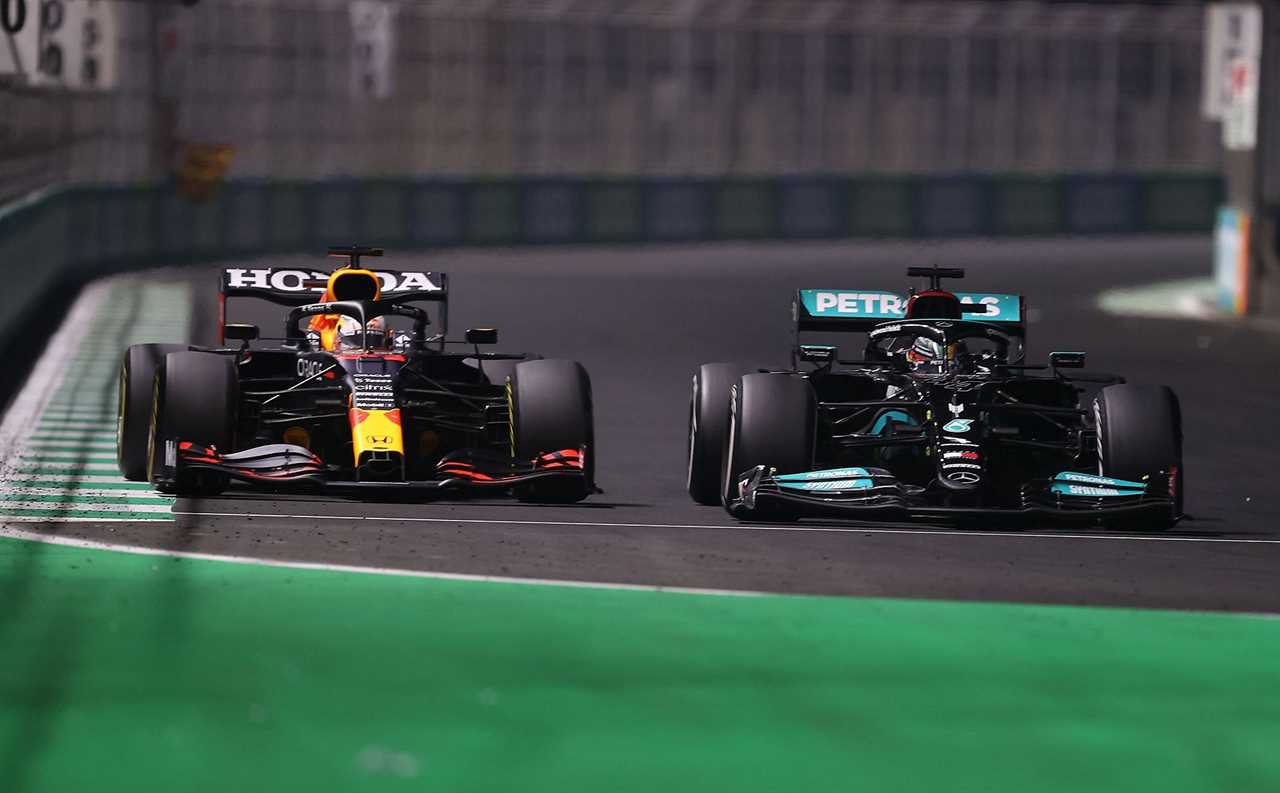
(772, 422)
(551, 411)
(708, 429)
(1140, 437)
(196, 398)
(133, 415)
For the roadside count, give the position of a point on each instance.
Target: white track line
(973, 534)
(72, 542)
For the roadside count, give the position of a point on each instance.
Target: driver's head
(374, 337)
(924, 351)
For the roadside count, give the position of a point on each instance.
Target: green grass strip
(72, 498)
(60, 421)
(35, 456)
(71, 484)
(72, 434)
(138, 673)
(66, 447)
(87, 514)
(76, 417)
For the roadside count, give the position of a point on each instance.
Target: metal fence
(631, 87)
(704, 87)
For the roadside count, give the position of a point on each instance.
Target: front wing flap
(761, 493)
(282, 466)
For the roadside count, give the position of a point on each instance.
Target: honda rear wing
(299, 287)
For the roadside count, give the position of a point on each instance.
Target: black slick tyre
(498, 372)
(133, 414)
(1140, 436)
(708, 430)
(772, 422)
(551, 411)
(196, 398)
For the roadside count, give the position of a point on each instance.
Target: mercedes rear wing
(847, 311)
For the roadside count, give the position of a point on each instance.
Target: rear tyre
(196, 398)
(1140, 435)
(551, 411)
(772, 422)
(708, 429)
(133, 415)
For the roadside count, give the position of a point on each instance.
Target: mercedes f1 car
(342, 402)
(939, 417)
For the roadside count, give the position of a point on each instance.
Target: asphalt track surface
(642, 319)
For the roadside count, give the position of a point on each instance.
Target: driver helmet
(925, 351)
(374, 337)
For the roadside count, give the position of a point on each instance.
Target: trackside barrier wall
(67, 237)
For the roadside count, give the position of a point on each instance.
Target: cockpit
(943, 346)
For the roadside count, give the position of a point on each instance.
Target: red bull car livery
(342, 401)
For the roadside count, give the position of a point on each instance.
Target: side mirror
(482, 335)
(1066, 360)
(818, 353)
(239, 332)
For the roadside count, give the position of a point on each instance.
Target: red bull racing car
(344, 402)
(939, 416)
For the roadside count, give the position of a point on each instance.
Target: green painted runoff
(124, 672)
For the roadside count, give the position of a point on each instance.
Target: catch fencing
(311, 89)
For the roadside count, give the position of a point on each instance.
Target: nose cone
(377, 443)
(960, 481)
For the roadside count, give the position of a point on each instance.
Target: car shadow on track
(1013, 526)
(259, 497)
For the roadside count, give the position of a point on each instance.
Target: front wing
(761, 493)
(282, 466)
